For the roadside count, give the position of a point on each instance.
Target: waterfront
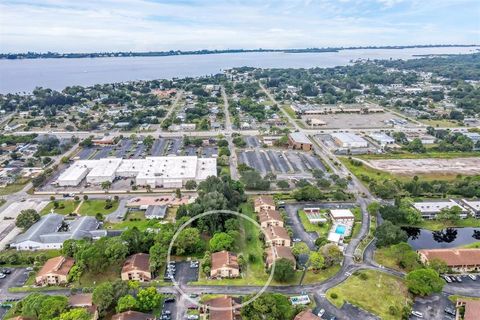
(446, 238)
(25, 75)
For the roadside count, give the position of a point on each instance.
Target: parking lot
(184, 273)
(433, 307)
(280, 161)
(16, 278)
(252, 141)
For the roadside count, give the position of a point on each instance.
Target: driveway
(119, 214)
(15, 279)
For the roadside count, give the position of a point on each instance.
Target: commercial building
(349, 140)
(224, 265)
(51, 231)
(382, 139)
(474, 136)
(298, 140)
(54, 271)
(459, 260)
(429, 210)
(275, 253)
(167, 172)
(137, 268)
(424, 138)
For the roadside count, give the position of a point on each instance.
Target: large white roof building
(349, 140)
(168, 172)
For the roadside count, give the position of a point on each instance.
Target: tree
(373, 208)
(103, 297)
(85, 197)
(451, 214)
(300, 248)
(317, 261)
(424, 282)
(253, 181)
(308, 193)
(106, 185)
(76, 314)
(43, 307)
(271, 306)
(188, 241)
(148, 299)
(331, 254)
(388, 233)
(438, 265)
(191, 185)
(178, 193)
(125, 303)
(284, 270)
(27, 218)
(416, 146)
(283, 184)
(221, 241)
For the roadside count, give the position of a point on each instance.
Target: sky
(158, 25)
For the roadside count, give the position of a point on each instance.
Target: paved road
(175, 102)
(228, 135)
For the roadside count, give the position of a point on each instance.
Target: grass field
(134, 219)
(440, 123)
(14, 187)
(87, 208)
(92, 207)
(475, 245)
(389, 258)
(435, 225)
(89, 279)
(321, 230)
(65, 207)
(377, 293)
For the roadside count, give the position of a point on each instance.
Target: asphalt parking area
(433, 307)
(183, 273)
(16, 278)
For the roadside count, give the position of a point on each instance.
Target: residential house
(276, 253)
(263, 203)
(277, 236)
(471, 307)
(133, 315)
(54, 271)
(83, 300)
(269, 218)
(224, 265)
(307, 315)
(137, 267)
(459, 260)
(222, 308)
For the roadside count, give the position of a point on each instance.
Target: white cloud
(138, 25)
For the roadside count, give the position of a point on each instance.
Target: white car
(2, 275)
(417, 314)
(296, 239)
(321, 312)
(473, 277)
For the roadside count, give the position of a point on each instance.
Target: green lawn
(475, 245)
(321, 230)
(65, 207)
(440, 123)
(435, 225)
(89, 279)
(376, 294)
(133, 219)
(14, 187)
(389, 257)
(92, 207)
(87, 208)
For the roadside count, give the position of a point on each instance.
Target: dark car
(170, 299)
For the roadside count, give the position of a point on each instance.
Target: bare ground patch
(465, 166)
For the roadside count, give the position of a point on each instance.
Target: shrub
(334, 295)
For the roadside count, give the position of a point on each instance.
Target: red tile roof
(454, 257)
(281, 252)
(59, 265)
(264, 200)
(307, 315)
(137, 262)
(269, 215)
(224, 259)
(132, 315)
(472, 309)
(224, 303)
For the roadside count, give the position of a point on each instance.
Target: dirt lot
(466, 166)
(352, 121)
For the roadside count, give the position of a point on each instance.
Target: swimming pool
(340, 229)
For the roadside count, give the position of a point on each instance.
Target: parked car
(2, 276)
(6, 271)
(450, 311)
(169, 299)
(473, 277)
(447, 278)
(296, 239)
(321, 312)
(417, 314)
(459, 279)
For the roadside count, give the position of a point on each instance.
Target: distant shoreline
(56, 55)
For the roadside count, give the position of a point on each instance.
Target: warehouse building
(382, 139)
(349, 140)
(298, 140)
(168, 172)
